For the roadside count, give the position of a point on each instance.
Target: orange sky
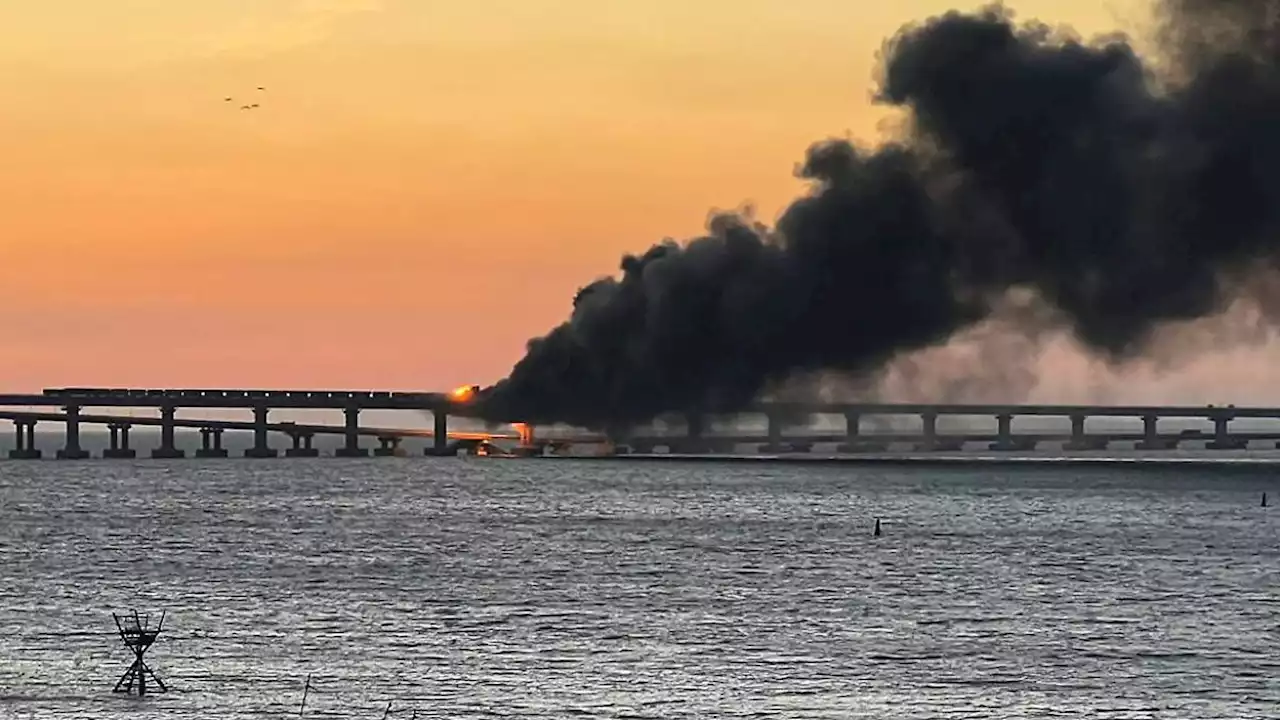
(425, 184)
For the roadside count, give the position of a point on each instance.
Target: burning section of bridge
(464, 394)
(527, 443)
(525, 431)
(469, 393)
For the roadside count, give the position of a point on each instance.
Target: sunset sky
(425, 184)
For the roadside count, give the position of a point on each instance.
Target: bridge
(884, 441)
(302, 435)
(73, 401)
(67, 407)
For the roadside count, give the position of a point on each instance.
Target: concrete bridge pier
(211, 443)
(73, 451)
(774, 433)
(929, 432)
(776, 443)
(440, 435)
(388, 446)
(24, 441)
(351, 447)
(1151, 439)
(168, 449)
(1005, 439)
(261, 448)
(931, 441)
(853, 442)
(693, 443)
(852, 431)
(119, 449)
(302, 445)
(1004, 433)
(1222, 439)
(1079, 440)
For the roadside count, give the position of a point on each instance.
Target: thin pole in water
(305, 689)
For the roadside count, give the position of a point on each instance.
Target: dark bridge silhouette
(302, 435)
(783, 433)
(73, 401)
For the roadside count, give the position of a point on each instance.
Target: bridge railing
(224, 394)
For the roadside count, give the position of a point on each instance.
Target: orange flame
(464, 393)
(526, 433)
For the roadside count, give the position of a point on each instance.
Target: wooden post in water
(877, 530)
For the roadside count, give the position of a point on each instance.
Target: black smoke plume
(1125, 193)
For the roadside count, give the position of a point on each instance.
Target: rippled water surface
(546, 589)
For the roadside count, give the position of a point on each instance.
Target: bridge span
(781, 417)
(211, 431)
(351, 403)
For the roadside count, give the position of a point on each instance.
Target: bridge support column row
(119, 448)
(72, 451)
(24, 446)
(211, 443)
(351, 447)
(168, 448)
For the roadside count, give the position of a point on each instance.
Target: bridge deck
(285, 427)
(902, 437)
(428, 401)
(241, 399)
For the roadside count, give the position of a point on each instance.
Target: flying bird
(229, 98)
